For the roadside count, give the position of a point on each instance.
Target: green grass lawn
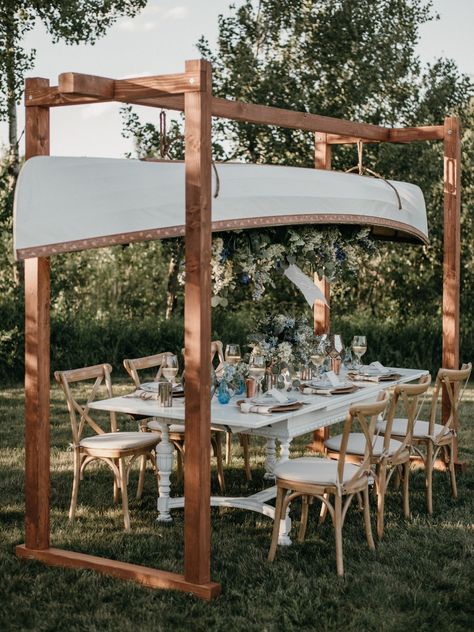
(421, 576)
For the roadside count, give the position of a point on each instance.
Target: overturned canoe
(64, 204)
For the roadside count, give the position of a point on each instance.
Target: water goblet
(318, 355)
(334, 351)
(359, 347)
(257, 370)
(169, 367)
(232, 354)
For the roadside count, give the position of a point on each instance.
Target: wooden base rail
(150, 577)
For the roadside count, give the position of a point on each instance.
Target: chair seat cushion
(356, 444)
(120, 441)
(313, 470)
(420, 430)
(154, 425)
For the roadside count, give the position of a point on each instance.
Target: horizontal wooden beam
(86, 85)
(51, 97)
(410, 134)
(395, 135)
(151, 577)
(149, 87)
(128, 89)
(267, 115)
(167, 91)
(341, 139)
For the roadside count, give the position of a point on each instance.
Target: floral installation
(283, 340)
(254, 257)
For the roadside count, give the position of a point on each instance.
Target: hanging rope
(361, 170)
(164, 145)
(218, 182)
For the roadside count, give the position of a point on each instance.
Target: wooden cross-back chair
(430, 438)
(176, 431)
(116, 449)
(132, 366)
(312, 477)
(388, 454)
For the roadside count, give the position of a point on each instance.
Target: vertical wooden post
(322, 160)
(37, 358)
(452, 247)
(197, 321)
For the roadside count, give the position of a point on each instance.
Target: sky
(158, 41)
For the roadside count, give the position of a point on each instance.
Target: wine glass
(318, 354)
(232, 354)
(257, 370)
(334, 350)
(169, 368)
(359, 347)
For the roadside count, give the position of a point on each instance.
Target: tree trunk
(11, 101)
(173, 272)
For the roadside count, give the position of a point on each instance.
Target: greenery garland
(254, 257)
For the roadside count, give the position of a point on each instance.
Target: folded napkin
(247, 407)
(375, 372)
(142, 394)
(152, 395)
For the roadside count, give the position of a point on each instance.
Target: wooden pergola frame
(190, 92)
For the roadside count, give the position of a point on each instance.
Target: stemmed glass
(232, 354)
(257, 370)
(359, 347)
(318, 354)
(169, 368)
(334, 350)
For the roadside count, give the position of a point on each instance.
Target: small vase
(239, 385)
(223, 393)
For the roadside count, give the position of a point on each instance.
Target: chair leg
(276, 523)
(381, 487)
(304, 518)
(123, 487)
(429, 477)
(245, 443)
(220, 467)
(75, 484)
(367, 525)
(338, 534)
(179, 460)
(396, 478)
(141, 477)
(228, 448)
(406, 489)
(116, 485)
(452, 472)
(324, 511)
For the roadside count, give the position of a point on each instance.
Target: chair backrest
(132, 366)
(79, 413)
(217, 351)
(408, 395)
(452, 382)
(366, 416)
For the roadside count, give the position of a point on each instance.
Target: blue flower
(340, 254)
(244, 278)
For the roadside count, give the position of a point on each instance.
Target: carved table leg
(270, 460)
(164, 463)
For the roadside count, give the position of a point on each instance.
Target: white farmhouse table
(318, 411)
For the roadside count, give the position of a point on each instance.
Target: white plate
(371, 371)
(269, 400)
(152, 387)
(327, 386)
